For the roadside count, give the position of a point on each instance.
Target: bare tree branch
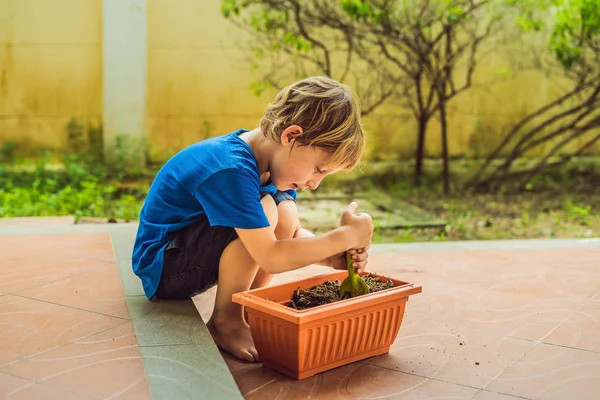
(517, 128)
(576, 133)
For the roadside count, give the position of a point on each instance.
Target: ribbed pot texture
(303, 343)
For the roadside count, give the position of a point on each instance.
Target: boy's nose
(313, 185)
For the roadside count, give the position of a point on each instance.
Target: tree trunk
(444, 129)
(442, 97)
(422, 129)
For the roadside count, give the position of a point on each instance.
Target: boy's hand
(359, 225)
(359, 256)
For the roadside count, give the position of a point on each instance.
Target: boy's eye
(319, 171)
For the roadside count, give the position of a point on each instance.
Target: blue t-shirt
(216, 178)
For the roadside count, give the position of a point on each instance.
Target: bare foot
(233, 337)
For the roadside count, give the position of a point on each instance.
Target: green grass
(70, 187)
(497, 217)
(561, 204)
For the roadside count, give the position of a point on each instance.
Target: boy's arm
(305, 233)
(336, 261)
(276, 256)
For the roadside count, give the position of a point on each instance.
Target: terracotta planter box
(303, 343)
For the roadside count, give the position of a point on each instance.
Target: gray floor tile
(132, 285)
(188, 372)
(123, 238)
(164, 322)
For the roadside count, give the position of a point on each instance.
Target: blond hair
(328, 114)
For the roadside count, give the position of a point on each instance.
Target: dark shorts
(191, 259)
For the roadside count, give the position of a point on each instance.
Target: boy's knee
(283, 216)
(287, 212)
(270, 209)
(287, 215)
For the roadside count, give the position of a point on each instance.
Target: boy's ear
(290, 134)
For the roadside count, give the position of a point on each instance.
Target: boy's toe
(255, 356)
(245, 355)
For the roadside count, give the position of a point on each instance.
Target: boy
(222, 211)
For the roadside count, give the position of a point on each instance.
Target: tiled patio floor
(522, 323)
(495, 320)
(65, 327)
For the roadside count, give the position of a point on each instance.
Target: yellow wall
(198, 79)
(196, 87)
(50, 68)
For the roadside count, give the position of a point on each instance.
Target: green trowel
(353, 285)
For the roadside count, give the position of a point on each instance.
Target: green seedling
(353, 285)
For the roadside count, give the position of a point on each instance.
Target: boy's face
(302, 168)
